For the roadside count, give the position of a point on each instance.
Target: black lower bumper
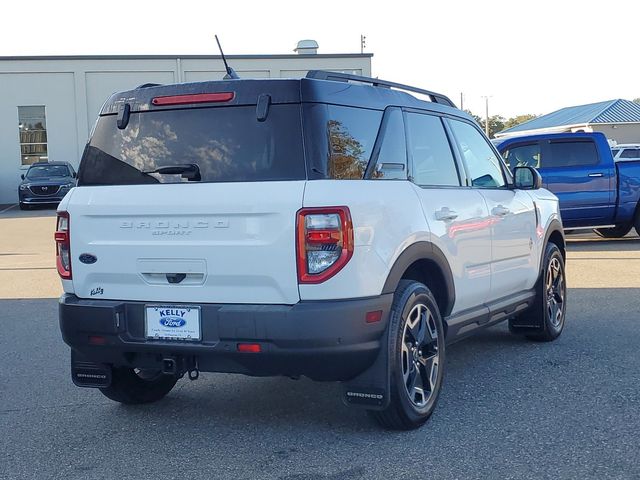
(41, 200)
(324, 340)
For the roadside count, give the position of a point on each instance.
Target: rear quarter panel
(387, 218)
(628, 190)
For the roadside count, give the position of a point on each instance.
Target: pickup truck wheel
(24, 206)
(135, 386)
(618, 231)
(416, 357)
(544, 321)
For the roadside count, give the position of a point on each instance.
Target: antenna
(231, 74)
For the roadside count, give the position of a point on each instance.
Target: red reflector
(97, 340)
(373, 317)
(249, 347)
(324, 236)
(60, 236)
(194, 98)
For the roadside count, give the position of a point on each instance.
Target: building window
(32, 128)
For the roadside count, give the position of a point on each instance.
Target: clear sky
(529, 56)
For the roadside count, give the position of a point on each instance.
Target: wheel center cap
(415, 354)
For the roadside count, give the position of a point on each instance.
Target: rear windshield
(222, 144)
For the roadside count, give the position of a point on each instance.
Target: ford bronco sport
(338, 227)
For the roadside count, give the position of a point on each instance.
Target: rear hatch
(184, 200)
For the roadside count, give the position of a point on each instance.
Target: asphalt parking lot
(509, 408)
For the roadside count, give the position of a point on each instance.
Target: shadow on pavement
(47, 210)
(546, 406)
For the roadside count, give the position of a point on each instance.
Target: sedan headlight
(23, 187)
(68, 186)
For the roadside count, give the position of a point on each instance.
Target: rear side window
(227, 144)
(432, 160)
(570, 154)
(526, 155)
(352, 134)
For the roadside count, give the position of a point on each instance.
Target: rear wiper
(190, 171)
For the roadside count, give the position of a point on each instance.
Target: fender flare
(422, 251)
(554, 226)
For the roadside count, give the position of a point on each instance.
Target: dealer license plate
(172, 322)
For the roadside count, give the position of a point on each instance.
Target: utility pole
(461, 101)
(363, 43)
(486, 113)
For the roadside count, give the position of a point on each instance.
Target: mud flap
(528, 321)
(371, 388)
(85, 373)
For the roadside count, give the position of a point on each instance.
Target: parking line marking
(8, 208)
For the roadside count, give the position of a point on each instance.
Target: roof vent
(306, 47)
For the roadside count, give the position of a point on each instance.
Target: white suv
(334, 226)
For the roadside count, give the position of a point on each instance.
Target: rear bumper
(324, 340)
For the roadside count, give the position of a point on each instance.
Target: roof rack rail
(147, 85)
(376, 82)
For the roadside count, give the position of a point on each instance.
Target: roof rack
(147, 85)
(345, 77)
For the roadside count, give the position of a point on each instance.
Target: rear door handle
(596, 174)
(445, 214)
(500, 211)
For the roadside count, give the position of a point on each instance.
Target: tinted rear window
(339, 140)
(571, 154)
(630, 153)
(227, 144)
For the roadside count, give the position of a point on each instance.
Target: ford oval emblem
(172, 322)
(88, 258)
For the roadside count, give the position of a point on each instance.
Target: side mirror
(527, 178)
(75, 174)
(22, 176)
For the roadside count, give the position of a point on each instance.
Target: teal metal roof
(611, 111)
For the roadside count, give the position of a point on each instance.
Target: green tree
(518, 119)
(347, 155)
(636, 100)
(475, 117)
(496, 124)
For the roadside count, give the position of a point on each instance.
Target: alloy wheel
(420, 357)
(555, 292)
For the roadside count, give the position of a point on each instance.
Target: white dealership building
(49, 104)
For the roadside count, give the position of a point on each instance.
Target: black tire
(24, 206)
(636, 220)
(545, 320)
(618, 231)
(416, 354)
(132, 386)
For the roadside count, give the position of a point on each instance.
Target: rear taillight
(325, 242)
(63, 249)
